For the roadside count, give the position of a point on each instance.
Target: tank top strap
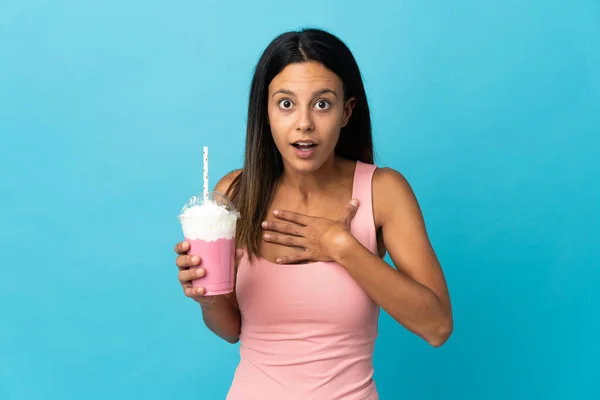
(363, 224)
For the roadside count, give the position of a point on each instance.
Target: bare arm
(415, 294)
(222, 316)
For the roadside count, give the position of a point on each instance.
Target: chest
(316, 296)
(331, 207)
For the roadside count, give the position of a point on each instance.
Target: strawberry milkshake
(209, 226)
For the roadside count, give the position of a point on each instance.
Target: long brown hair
(251, 191)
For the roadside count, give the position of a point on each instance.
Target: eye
(323, 104)
(285, 104)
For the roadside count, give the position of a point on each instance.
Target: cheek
(331, 127)
(279, 128)
(282, 118)
(333, 139)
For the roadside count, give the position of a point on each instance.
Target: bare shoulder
(390, 184)
(392, 195)
(224, 184)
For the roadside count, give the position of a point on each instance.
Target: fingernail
(264, 224)
(354, 202)
(275, 212)
(200, 290)
(200, 272)
(267, 237)
(195, 260)
(278, 260)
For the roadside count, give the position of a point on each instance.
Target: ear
(348, 107)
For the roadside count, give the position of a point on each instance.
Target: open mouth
(304, 145)
(304, 148)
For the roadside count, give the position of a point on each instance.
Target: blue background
(491, 110)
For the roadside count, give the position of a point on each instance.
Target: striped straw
(205, 173)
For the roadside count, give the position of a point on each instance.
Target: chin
(304, 166)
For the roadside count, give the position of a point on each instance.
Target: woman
(317, 219)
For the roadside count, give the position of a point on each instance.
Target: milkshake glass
(209, 227)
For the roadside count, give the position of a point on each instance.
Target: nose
(305, 122)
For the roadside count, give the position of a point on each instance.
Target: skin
(306, 101)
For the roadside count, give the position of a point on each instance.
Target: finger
(283, 227)
(186, 285)
(182, 247)
(188, 275)
(194, 291)
(293, 259)
(350, 211)
(286, 240)
(297, 218)
(187, 261)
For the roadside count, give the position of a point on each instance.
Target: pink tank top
(308, 330)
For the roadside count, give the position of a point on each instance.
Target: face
(306, 113)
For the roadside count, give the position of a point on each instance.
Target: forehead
(305, 76)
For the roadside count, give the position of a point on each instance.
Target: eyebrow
(316, 93)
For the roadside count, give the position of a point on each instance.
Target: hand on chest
(331, 208)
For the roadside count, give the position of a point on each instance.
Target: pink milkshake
(209, 227)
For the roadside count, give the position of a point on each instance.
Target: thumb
(350, 211)
(239, 253)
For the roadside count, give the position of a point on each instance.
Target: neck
(311, 183)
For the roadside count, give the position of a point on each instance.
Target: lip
(304, 141)
(305, 154)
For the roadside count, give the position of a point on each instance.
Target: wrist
(341, 246)
(209, 303)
